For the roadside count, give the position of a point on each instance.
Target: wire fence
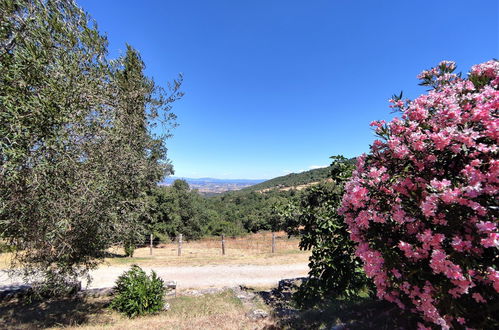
(261, 243)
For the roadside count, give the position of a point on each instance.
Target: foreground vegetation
(219, 310)
(212, 311)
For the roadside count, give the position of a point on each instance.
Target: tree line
(178, 209)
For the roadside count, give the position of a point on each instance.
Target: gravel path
(194, 277)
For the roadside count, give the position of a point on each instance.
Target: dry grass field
(253, 249)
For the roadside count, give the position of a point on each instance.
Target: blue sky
(279, 86)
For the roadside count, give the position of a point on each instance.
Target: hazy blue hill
(190, 181)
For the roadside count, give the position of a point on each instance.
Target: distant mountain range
(170, 180)
(212, 186)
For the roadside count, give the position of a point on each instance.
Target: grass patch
(195, 256)
(221, 310)
(251, 249)
(207, 305)
(212, 311)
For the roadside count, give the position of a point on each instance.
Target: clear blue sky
(279, 86)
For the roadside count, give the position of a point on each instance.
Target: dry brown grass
(212, 311)
(5, 259)
(252, 249)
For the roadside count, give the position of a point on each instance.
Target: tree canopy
(77, 155)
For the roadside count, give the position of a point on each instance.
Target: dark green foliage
(293, 179)
(142, 158)
(77, 156)
(6, 247)
(129, 248)
(253, 211)
(136, 293)
(335, 271)
(177, 210)
(51, 286)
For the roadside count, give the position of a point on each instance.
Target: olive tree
(76, 149)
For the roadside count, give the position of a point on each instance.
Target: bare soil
(192, 277)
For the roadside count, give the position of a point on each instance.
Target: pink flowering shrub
(421, 206)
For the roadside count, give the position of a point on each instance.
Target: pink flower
(450, 195)
(396, 273)
(459, 245)
(486, 226)
(429, 206)
(422, 327)
(492, 240)
(478, 298)
(440, 140)
(494, 277)
(440, 185)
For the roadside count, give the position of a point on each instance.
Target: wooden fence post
(150, 244)
(223, 244)
(273, 242)
(179, 245)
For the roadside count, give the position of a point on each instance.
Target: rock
(290, 283)
(258, 314)
(211, 291)
(242, 293)
(166, 307)
(193, 293)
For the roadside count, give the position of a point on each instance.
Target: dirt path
(193, 277)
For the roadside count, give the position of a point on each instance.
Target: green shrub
(5, 247)
(137, 293)
(335, 270)
(129, 248)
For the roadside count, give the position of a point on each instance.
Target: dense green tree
(335, 271)
(178, 210)
(141, 161)
(73, 126)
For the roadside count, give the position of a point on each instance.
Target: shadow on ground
(355, 313)
(17, 314)
(108, 254)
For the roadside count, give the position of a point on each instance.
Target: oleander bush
(136, 293)
(421, 206)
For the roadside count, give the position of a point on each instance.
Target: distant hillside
(170, 179)
(294, 179)
(211, 186)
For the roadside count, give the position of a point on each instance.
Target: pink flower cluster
(422, 204)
